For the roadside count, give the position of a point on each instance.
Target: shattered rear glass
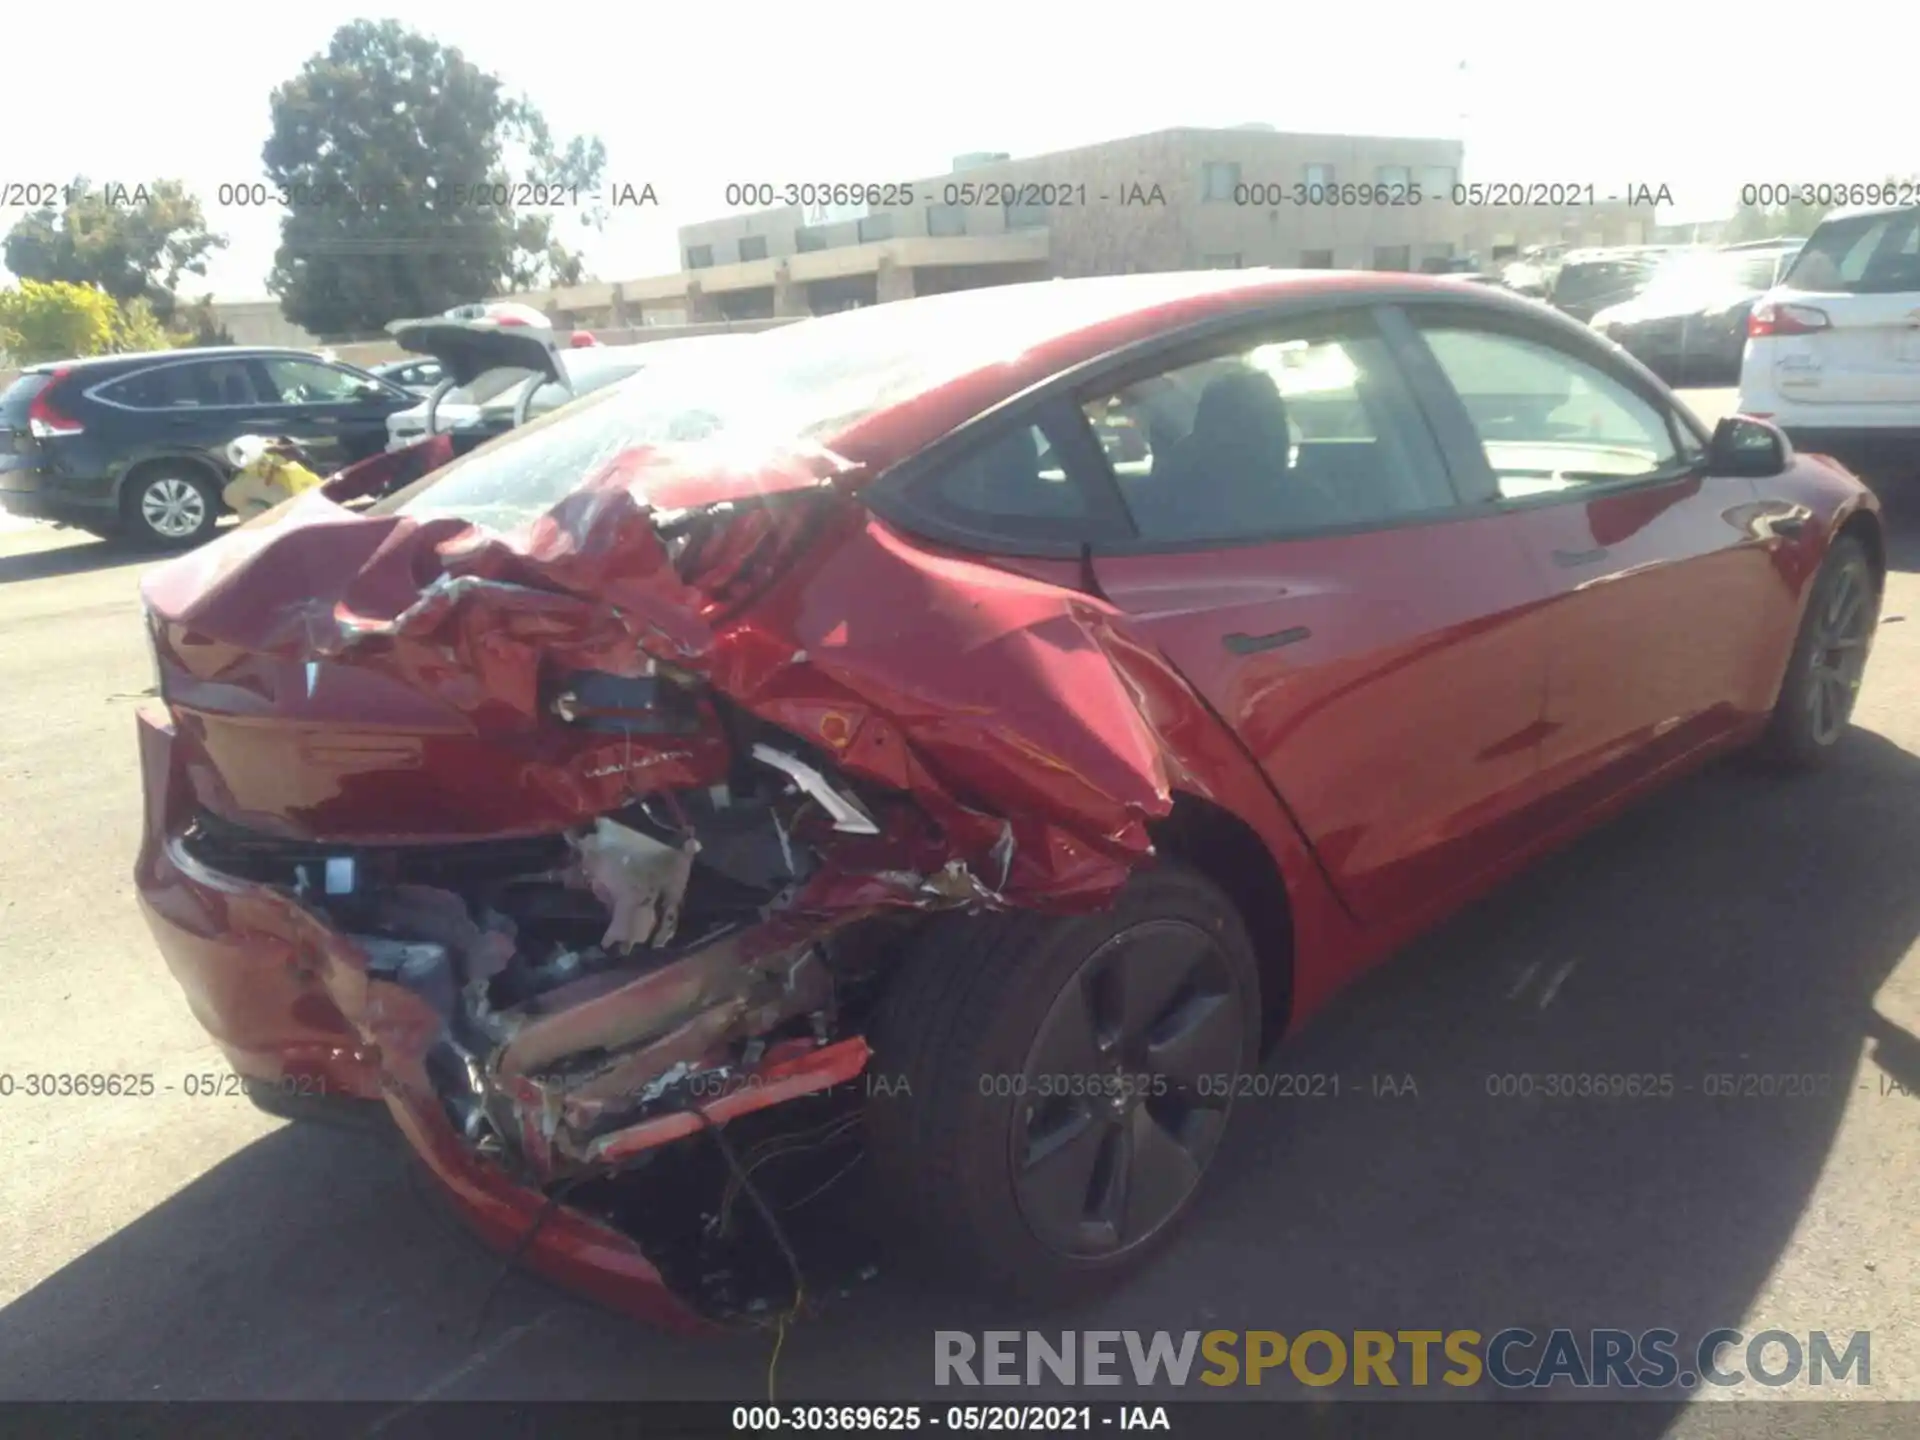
(782, 392)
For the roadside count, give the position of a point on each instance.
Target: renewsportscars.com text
(1511, 1359)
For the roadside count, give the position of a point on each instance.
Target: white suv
(1833, 350)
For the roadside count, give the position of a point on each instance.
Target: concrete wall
(259, 322)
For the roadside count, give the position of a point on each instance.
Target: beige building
(259, 322)
(1172, 200)
(1180, 199)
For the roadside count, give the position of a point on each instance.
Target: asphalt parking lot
(175, 1247)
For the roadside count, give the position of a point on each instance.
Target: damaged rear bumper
(303, 1009)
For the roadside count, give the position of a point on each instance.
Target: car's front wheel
(1829, 659)
(1047, 1093)
(170, 507)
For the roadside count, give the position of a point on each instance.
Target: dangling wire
(521, 1246)
(779, 1233)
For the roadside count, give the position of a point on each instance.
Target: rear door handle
(1243, 644)
(1570, 558)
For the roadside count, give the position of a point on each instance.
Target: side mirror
(1742, 445)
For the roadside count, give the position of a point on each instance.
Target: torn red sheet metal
(1020, 718)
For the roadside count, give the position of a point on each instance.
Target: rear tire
(1815, 706)
(170, 507)
(1048, 1092)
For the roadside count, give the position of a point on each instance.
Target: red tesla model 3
(953, 736)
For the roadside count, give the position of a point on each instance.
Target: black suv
(136, 444)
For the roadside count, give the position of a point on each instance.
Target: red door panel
(1391, 684)
(1660, 599)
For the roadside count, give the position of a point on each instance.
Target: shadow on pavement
(79, 558)
(1737, 925)
(1899, 494)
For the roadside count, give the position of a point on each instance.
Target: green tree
(135, 244)
(392, 151)
(136, 327)
(55, 320)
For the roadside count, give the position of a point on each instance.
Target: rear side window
(170, 387)
(1014, 478)
(1861, 255)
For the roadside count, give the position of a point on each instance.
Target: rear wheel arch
(1220, 845)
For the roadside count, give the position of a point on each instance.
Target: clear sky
(1702, 98)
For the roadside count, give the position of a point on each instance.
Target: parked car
(136, 444)
(1833, 350)
(483, 389)
(422, 377)
(1689, 326)
(1532, 273)
(1589, 281)
(963, 730)
(501, 312)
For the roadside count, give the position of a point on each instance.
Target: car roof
(1854, 212)
(195, 352)
(1612, 255)
(950, 357)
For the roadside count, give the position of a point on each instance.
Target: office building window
(1398, 176)
(946, 220)
(1218, 180)
(1316, 259)
(808, 237)
(1392, 257)
(699, 257)
(1026, 217)
(1437, 182)
(1219, 262)
(753, 247)
(876, 227)
(1321, 175)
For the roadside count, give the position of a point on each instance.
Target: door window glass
(1287, 436)
(308, 382)
(1548, 421)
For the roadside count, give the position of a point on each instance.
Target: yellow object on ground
(267, 481)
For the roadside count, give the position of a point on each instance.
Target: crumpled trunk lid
(361, 676)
